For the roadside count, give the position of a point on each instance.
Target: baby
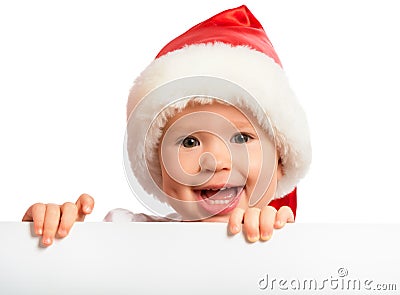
(213, 130)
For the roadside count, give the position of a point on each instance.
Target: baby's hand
(258, 224)
(51, 219)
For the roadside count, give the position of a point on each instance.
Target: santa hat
(231, 48)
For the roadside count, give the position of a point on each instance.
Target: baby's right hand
(50, 219)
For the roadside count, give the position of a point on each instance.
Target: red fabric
(236, 26)
(288, 200)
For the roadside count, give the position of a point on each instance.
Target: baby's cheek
(180, 166)
(189, 163)
(261, 182)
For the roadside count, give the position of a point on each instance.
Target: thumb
(85, 205)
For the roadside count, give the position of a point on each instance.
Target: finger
(69, 213)
(28, 214)
(85, 204)
(252, 223)
(267, 220)
(51, 222)
(235, 221)
(36, 214)
(284, 215)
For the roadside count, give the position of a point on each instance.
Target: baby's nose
(216, 156)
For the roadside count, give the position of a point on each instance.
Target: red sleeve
(289, 200)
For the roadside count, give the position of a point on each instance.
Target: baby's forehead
(209, 111)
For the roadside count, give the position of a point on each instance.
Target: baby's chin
(217, 218)
(199, 215)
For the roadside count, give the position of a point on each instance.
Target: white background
(66, 69)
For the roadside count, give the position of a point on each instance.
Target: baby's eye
(240, 138)
(190, 142)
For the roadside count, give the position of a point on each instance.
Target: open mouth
(219, 200)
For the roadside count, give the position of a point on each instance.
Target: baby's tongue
(219, 194)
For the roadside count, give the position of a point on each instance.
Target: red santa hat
(230, 46)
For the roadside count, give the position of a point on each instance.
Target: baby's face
(212, 156)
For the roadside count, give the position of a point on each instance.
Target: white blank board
(201, 258)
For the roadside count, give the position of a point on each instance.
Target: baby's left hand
(258, 224)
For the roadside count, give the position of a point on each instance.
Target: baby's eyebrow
(178, 133)
(237, 125)
(243, 125)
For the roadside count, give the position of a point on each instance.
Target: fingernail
(39, 231)
(265, 236)
(278, 223)
(62, 232)
(253, 238)
(88, 209)
(235, 229)
(47, 241)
